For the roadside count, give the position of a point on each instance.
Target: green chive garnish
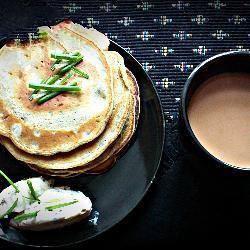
(52, 79)
(32, 190)
(76, 53)
(65, 79)
(80, 72)
(54, 87)
(54, 64)
(65, 57)
(10, 210)
(51, 208)
(51, 95)
(49, 80)
(42, 34)
(10, 181)
(70, 66)
(31, 97)
(22, 217)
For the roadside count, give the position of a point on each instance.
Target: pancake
(92, 34)
(109, 157)
(63, 123)
(84, 154)
(107, 160)
(128, 130)
(100, 153)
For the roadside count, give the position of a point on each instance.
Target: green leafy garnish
(23, 217)
(42, 34)
(70, 66)
(65, 57)
(10, 181)
(32, 190)
(52, 79)
(69, 63)
(51, 208)
(37, 90)
(10, 210)
(55, 87)
(80, 72)
(53, 66)
(51, 95)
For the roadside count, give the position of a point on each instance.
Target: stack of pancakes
(71, 133)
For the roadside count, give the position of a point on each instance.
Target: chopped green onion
(22, 217)
(76, 53)
(10, 181)
(54, 87)
(53, 66)
(62, 82)
(52, 79)
(65, 79)
(10, 210)
(31, 97)
(69, 67)
(51, 208)
(51, 95)
(81, 73)
(32, 190)
(42, 34)
(28, 198)
(65, 57)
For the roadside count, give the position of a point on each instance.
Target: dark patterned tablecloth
(169, 38)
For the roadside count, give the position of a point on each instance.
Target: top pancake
(63, 123)
(86, 153)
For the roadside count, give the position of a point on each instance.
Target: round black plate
(115, 193)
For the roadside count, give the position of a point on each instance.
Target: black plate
(115, 193)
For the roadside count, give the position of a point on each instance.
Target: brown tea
(219, 115)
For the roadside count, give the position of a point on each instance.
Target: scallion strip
(54, 87)
(10, 181)
(49, 80)
(80, 72)
(54, 64)
(65, 79)
(69, 67)
(65, 57)
(31, 97)
(51, 208)
(42, 34)
(51, 95)
(52, 79)
(22, 217)
(32, 190)
(10, 210)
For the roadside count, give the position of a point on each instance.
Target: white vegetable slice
(24, 198)
(57, 208)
